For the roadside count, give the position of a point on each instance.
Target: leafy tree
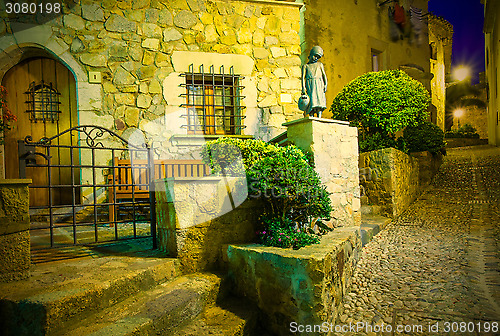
(382, 103)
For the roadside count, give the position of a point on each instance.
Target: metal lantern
(43, 102)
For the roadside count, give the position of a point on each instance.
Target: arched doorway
(17, 81)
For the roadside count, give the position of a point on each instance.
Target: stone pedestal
(334, 145)
(14, 230)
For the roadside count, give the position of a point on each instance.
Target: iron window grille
(43, 102)
(213, 102)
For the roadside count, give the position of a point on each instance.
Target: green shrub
(382, 102)
(290, 186)
(465, 131)
(374, 141)
(281, 176)
(236, 155)
(424, 137)
(285, 234)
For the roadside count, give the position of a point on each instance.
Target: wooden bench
(129, 179)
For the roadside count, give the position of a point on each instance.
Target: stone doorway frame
(28, 40)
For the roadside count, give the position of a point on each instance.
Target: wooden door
(17, 81)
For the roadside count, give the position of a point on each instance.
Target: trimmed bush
(382, 102)
(283, 178)
(465, 131)
(235, 155)
(374, 141)
(424, 137)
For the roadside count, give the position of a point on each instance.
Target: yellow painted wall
(492, 44)
(347, 30)
(440, 37)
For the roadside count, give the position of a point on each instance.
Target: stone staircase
(121, 295)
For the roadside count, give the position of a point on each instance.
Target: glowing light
(458, 113)
(461, 73)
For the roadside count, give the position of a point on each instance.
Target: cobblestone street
(439, 261)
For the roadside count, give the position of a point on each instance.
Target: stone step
(57, 293)
(158, 311)
(232, 317)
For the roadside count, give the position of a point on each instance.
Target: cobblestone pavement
(439, 262)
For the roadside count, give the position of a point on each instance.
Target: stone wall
(334, 145)
(464, 142)
(428, 165)
(305, 286)
(390, 180)
(197, 218)
(138, 49)
(14, 230)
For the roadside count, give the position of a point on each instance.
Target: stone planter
(304, 286)
(196, 218)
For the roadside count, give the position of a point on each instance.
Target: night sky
(467, 17)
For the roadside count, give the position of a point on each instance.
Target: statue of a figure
(314, 84)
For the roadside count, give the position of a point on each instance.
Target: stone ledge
(322, 120)
(371, 225)
(306, 286)
(279, 3)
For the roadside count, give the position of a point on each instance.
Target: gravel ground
(439, 261)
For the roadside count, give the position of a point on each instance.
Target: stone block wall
(140, 47)
(390, 179)
(14, 230)
(196, 218)
(334, 145)
(428, 165)
(305, 286)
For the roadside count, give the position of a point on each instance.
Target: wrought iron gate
(87, 195)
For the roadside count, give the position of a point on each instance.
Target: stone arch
(29, 40)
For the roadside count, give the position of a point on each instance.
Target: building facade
(440, 43)
(492, 61)
(177, 73)
(365, 35)
(171, 73)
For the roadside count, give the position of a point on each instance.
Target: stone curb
(370, 226)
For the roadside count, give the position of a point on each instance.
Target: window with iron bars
(213, 102)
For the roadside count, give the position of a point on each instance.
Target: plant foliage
(283, 178)
(424, 137)
(465, 131)
(234, 155)
(7, 116)
(285, 234)
(382, 102)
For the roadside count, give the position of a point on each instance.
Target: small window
(42, 102)
(433, 49)
(213, 102)
(376, 60)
